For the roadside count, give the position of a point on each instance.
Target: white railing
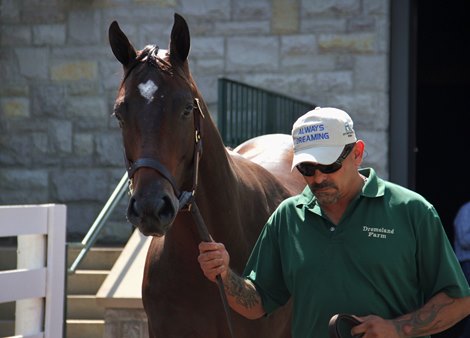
(37, 285)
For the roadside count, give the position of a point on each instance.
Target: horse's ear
(179, 40)
(122, 48)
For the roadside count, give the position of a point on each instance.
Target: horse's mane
(149, 55)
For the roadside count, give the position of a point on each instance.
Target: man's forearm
(242, 296)
(437, 315)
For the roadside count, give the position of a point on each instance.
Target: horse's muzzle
(152, 215)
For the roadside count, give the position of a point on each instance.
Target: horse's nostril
(132, 208)
(165, 210)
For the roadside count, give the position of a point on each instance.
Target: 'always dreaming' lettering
(311, 137)
(310, 133)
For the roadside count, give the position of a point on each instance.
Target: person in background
(462, 250)
(351, 243)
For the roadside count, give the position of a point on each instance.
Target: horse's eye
(188, 110)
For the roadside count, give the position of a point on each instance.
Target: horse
(172, 146)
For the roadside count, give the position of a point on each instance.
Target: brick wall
(58, 142)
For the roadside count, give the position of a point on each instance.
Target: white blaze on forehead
(147, 90)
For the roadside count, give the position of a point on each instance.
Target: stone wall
(58, 142)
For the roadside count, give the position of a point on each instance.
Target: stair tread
(88, 321)
(91, 272)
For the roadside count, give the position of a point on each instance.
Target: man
(349, 243)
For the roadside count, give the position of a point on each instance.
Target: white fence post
(37, 285)
(29, 314)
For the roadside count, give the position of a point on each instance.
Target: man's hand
(375, 327)
(214, 260)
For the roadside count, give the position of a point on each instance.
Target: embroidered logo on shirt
(381, 233)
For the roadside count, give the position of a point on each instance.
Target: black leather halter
(184, 197)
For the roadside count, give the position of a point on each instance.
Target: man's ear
(359, 150)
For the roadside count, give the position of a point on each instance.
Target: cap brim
(320, 155)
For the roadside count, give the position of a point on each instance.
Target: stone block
(377, 7)
(83, 144)
(361, 24)
(365, 108)
(329, 7)
(207, 9)
(13, 89)
(86, 107)
(298, 51)
(207, 47)
(245, 10)
(335, 81)
(15, 35)
(80, 185)
(371, 72)
(241, 28)
(40, 141)
(208, 66)
(49, 34)
(43, 11)
(48, 100)
(317, 25)
(110, 74)
(252, 54)
(109, 149)
(33, 62)
(74, 70)
(285, 16)
(300, 85)
(23, 179)
(84, 26)
(347, 43)
(10, 11)
(23, 186)
(15, 107)
(60, 136)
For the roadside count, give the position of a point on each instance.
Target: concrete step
(85, 282)
(77, 328)
(83, 307)
(98, 258)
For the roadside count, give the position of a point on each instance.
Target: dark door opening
(442, 110)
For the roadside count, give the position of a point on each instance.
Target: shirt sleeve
(264, 268)
(438, 267)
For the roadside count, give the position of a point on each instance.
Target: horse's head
(158, 110)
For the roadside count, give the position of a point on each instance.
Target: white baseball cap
(320, 135)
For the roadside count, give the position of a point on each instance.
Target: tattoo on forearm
(243, 294)
(423, 321)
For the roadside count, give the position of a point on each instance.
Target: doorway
(442, 119)
(442, 108)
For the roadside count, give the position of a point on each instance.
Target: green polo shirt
(387, 256)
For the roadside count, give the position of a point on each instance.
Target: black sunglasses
(308, 168)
